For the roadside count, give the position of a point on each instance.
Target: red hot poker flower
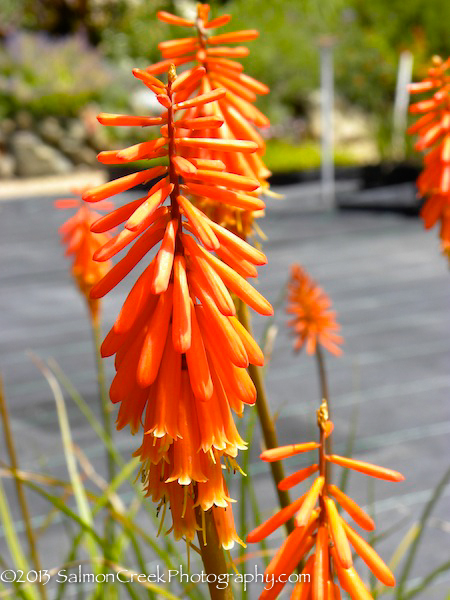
(433, 130)
(322, 538)
(80, 242)
(313, 322)
(238, 116)
(180, 355)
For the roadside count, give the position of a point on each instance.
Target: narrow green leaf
(428, 509)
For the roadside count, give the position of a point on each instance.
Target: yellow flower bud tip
(172, 73)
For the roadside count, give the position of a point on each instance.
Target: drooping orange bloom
(80, 242)
(236, 111)
(313, 322)
(433, 130)
(322, 538)
(180, 354)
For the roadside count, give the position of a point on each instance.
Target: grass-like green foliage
(284, 156)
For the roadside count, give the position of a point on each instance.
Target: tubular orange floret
(287, 451)
(174, 338)
(366, 468)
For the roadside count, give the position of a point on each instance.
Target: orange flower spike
(338, 534)
(370, 557)
(286, 451)
(366, 468)
(310, 500)
(198, 368)
(313, 322)
(356, 512)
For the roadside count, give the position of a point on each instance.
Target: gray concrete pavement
(391, 290)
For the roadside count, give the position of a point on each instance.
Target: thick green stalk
(213, 556)
(266, 420)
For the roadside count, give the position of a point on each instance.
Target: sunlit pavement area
(390, 288)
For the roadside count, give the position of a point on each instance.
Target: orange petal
(181, 318)
(370, 557)
(320, 570)
(183, 166)
(218, 22)
(233, 86)
(148, 79)
(239, 265)
(229, 180)
(276, 521)
(234, 36)
(204, 276)
(167, 17)
(142, 216)
(310, 500)
(286, 451)
(198, 367)
(350, 506)
(188, 78)
(288, 482)
(351, 582)
(366, 468)
(164, 259)
(201, 99)
(217, 144)
(125, 237)
(238, 52)
(128, 262)
(209, 122)
(199, 223)
(155, 339)
(254, 352)
(207, 163)
(164, 65)
(232, 280)
(221, 195)
(337, 531)
(135, 301)
(221, 329)
(215, 64)
(122, 184)
(128, 120)
(238, 246)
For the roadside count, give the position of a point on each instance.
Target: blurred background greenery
(66, 58)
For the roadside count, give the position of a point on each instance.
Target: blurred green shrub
(50, 76)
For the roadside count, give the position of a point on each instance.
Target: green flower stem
(266, 420)
(213, 556)
(9, 440)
